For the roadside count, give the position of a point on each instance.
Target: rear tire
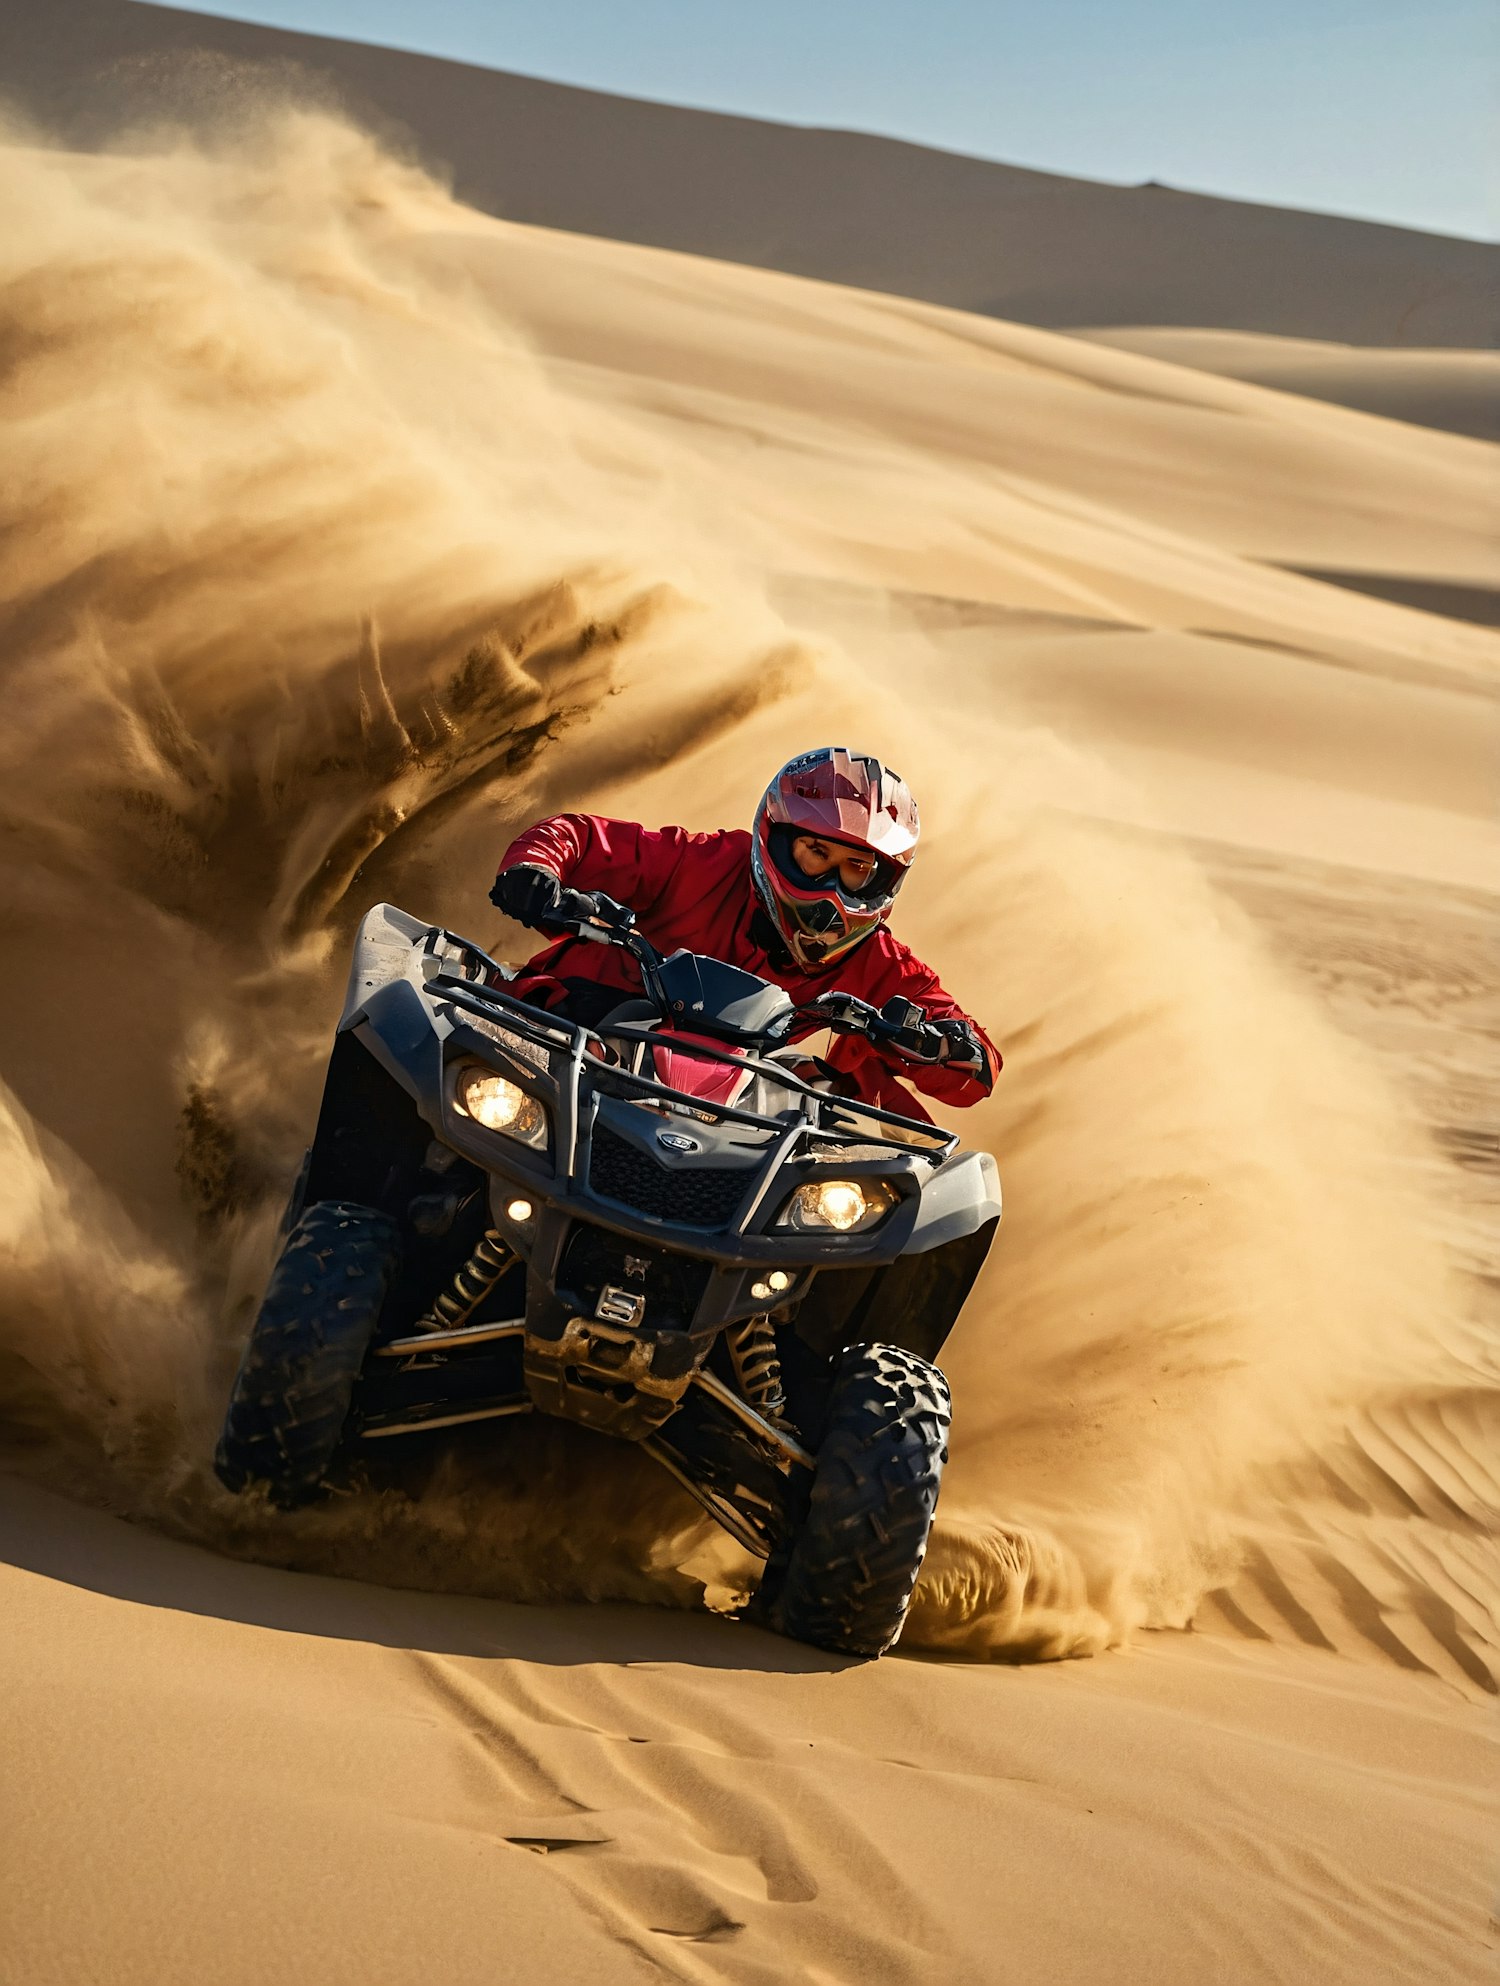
(846, 1580)
(292, 1392)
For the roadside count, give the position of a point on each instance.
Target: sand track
(622, 1794)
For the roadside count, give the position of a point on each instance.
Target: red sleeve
(588, 852)
(890, 969)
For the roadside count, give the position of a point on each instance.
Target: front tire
(846, 1580)
(292, 1392)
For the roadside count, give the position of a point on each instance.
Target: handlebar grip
(844, 1013)
(615, 916)
(902, 1014)
(592, 915)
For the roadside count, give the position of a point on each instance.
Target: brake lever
(611, 923)
(846, 1013)
(898, 1022)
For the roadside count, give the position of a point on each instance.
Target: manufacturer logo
(617, 1306)
(678, 1141)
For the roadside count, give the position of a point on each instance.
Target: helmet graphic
(836, 796)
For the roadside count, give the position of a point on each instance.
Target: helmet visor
(820, 866)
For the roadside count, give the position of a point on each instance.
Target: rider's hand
(961, 1047)
(529, 894)
(910, 1031)
(598, 908)
(534, 896)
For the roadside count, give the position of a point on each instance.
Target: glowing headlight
(844, 1205)
(500, 1105)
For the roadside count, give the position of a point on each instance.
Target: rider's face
(815, 856)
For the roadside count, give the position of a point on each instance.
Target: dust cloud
(314, 585)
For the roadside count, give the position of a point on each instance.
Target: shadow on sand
(44, 1534)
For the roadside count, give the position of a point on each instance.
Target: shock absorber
(757, 1367)
(469, 1288)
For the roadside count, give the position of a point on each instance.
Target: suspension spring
(757, 1366)
(470, 1287)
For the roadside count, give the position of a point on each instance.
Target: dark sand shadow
(44, 1534)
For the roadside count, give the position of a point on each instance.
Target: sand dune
(347, 529)
(1033, 246)
(1458, 392)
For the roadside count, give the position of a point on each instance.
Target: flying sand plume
(313, 586)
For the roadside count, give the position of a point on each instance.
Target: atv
(669, 1226)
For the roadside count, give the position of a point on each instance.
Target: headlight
(844, 1206)
(501, 1105)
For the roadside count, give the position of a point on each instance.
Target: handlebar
(613, 923)
(605, 922)
(899, 1022)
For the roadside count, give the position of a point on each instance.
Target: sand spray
(315, 585)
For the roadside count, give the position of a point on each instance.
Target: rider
(803, 900)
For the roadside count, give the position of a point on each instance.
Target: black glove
(534, 896)
(962, 1048)
(909, 1030)
(528, 894)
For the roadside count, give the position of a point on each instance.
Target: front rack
(553, 1031)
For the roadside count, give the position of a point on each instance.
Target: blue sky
(1380, 108)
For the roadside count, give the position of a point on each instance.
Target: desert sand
(346, 529)
(846, 206)
(1453, 390)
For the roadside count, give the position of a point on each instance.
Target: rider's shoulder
(708, 842)
(886, 959)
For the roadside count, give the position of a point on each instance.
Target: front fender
(961, 1197)
(400, 1031)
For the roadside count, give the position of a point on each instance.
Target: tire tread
(846, 1582)
(292, 1392)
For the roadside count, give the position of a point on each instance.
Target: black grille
(704, 1197)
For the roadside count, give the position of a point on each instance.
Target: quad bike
(669, 1227)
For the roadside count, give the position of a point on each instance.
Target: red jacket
(694, 891)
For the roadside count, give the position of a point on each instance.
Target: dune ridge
(1456, 391)
(338, 549)
(1005, 241)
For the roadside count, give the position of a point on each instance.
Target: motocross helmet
(839, 796)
